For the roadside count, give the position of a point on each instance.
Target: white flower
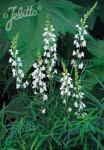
(69, 109)
(38, 75)
(64, 101)
(22, 75)
(18, 80)
(10, 60)
(71, 86)
(46, 47)
(16, 64)
(55, 71)
(48, 55)
(83, 44)
(80, 66)
(49, 48)
(53, 62)
(25, 84)
(14, 72)
(66, 85)
(74, 53)
(80, 55)
(81, 37)
(77, 45)
(50, 68)
(81, 94)
(43, 111)
(46, 41)
(73, 62)
(76, 36)
(41, 90)
(43, 68)
(46, 61)
(77, 96)
(73, 95)
(53, 39)
(66, 90)
(18, 60)
(20, 64)
(78, 104)
(45, 97)
(35, 93)
(77, 26)
(76, 113)
(62, 93)
(69, 93)
(82, 105)
(85, 32)
(18, 86)
(35, 65)
(79, 42)
(75, 41)
(75, 104)
(10, 50)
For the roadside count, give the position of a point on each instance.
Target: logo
(18, 13)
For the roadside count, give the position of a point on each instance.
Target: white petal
(43, 111)
(80, 66)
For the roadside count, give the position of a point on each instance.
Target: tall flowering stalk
(80, 42)
(78, 54)
(45, 67)
(66, 85)
(50, 52)
(39, 86)
(16, 64)
(78, 95)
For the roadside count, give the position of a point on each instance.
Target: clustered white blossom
(38, 75)
(66, 86)
(70, 87)
(78, 95)
(78, 54)
(45, 67)
(79, 43)
(80, 107)
(74, 91)
(50, 54)
(16, 64)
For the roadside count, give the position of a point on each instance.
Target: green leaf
(101, 9)
(17, 105)
(92, 76)
(96, 48)
(64, 17)
(95, 73)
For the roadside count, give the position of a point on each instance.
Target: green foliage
(97, 49)
(22, 125)
(55, 129)
(95, 73)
